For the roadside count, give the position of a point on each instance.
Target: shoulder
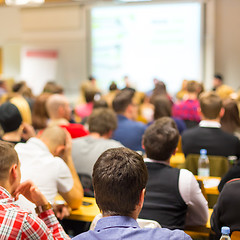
(191, 131)
(166, 234)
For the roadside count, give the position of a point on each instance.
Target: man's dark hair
(102, 120)
(122, 100)
(160, 139)
(8, 157)
(211, 105)
(89, 95)
(219, 76)
(119, 176)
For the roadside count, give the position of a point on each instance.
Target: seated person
(59, 113)
(208, 134)
(227, 209)
(47, 161)
(188, 108)
(233, 172)
(15, 130)
(16, 223)
(119, 180)
(129, 132)
(86, 150)
(173, 197)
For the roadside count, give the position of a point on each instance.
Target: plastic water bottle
(203, 164)
(225, 233)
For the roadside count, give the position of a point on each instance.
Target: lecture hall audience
(219, 123)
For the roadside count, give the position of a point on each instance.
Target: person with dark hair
(230, 122)
(209, 135)
(227, 210)
(187, 109)
(163, 108)
(85, 109)
(15, 222)
(217, 81)
(223, 90)
(15, 130)
(173, 197)
(129, 132)
(119, 180)
(102, 122)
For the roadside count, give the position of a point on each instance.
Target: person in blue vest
(173, 197)
(129, 132)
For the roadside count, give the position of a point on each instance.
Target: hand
(28, 131)
(31, 192)
(61, 210)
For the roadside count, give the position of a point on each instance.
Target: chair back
(218, 164)
(86, 182)
(201, 185)
(235, 235)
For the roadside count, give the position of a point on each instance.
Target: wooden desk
(210, 184)
(85, 213)
(177, 160)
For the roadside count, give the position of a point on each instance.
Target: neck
(5, 184)
(191, 96)
(97, 135)
(211, 120)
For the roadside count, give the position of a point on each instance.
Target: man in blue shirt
(119, 180)
(129, 132)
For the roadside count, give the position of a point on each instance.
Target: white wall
(227, 44)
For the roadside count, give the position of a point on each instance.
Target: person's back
(125, 228)
(86, 150)
(16, 223)
(119, 180)
(227, 209)
(188, 108)
(173, 197)
(59, 113)
(208, 134)
(213, 139)
(129, 132)
(40, 163)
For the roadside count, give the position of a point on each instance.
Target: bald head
(54, 137)
(58, 107)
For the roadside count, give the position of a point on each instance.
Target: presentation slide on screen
(145, 42)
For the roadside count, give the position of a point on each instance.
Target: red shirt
(187, 110)
(16, 223)
(76, 130)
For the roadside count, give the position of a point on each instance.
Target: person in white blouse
(173, 197)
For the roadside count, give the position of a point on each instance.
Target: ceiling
(80, 2)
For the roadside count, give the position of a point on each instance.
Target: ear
(143, 147)
(60, 110)
(59, 151)
(221, 113)
(13, 173)
(141, 199)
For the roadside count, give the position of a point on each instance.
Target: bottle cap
(225, 230)
(203, 152)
